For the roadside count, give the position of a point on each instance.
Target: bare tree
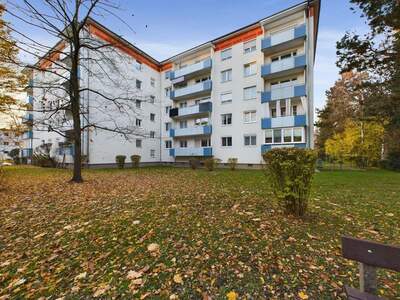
(61, 92)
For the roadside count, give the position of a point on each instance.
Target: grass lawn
(216, 232)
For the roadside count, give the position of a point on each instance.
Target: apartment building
(238, 95)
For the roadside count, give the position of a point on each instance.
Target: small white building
(238, 96)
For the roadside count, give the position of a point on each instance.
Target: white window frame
(252, 67)
(253, 96)
(226, 100)
(183, 142)
(140, 143)
(152, 117)
(226, 137)
(152, 153)
(168, 144)
(225, 118)
(140, 121)
(282, 142)
(226, 78)
(250, 136)
(251, 48)
(229, 54)
(251, 113)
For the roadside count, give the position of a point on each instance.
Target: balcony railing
(27, 152)
(198, 89)
(191, 111)
(285, 92)
(284, 40)
(267, 147)
(191, 131)
(28, 118)
(284, 67)
(202, 152)
(287, 121)
(27, 135)
(192, 70)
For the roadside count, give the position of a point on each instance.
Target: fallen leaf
(302, 295)
(153, 247)
(133, 275)
(232, 295)
(178, 279)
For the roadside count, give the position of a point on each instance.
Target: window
(138, 122)
(138, 103)
(226, 141)
(226, 75)
(277, 136)
(268, 136)
(287, 135)
(138, 65)
(152, 82)
(226, 97)
(283, 111)
(250, 69)
(183, 144)
(167, 92)
(226, 54)
(273, 112)
(294, 110)
(138, 143)
(205, 143)
(152, 134)
(250, 93)
(138, 84)
(297, 135)
(203, 79)
(168, 144)
(152, 153)
(152, 99)
(249, 46)
(183, 104)
(167, 109)
(249, 116)
(201, 121)
(183, 124)
(167, 126)
(226, 119)
(152, 117)
(250, 140)
(284, 56)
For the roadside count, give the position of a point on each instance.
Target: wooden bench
(370, 255)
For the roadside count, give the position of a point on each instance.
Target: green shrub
(232, 162)
(211, 163)
(290, 172)
(194, 163)
(120, 160)
(43, 160)
(135, 159)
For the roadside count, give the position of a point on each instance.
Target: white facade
(236, 96)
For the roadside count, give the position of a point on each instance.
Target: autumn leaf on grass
(134, 275)
(81, 276)
(178, 279)
(101, 290)
(302, 295)
(232, 295)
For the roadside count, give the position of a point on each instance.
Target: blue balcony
(285, 92)
(191, 71)
(191, 91)
(267, 147)
(29, 100)
(27, 135)
(191, 111)
(284, 40)
(28, 118)
(30, 83)
(287, 121)
(27, 152)
(191, 131)
(284, 67)
(199, 152)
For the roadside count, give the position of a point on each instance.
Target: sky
(163, 28)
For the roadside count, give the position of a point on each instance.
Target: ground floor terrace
(175, 233)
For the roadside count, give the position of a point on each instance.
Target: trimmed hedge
(211, 163)
(135, 159)
(194, 163)
(290, 172)
(120, 160)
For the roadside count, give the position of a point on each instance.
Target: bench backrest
(371, 253)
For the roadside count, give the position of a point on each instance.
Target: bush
(211, 163)
(135, 159)
(194, 163)
(120, 160)
(290, 171)
(232, 162)
(43, 160)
